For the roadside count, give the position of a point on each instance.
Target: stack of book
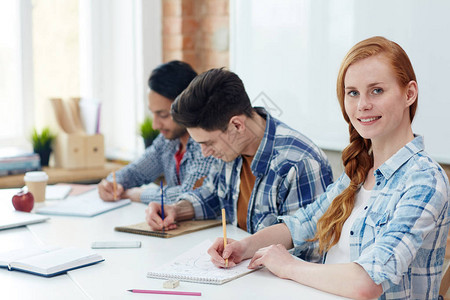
(18, 161)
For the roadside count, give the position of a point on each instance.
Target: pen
(114, 185)
(166, 292)
(224, 226)
(162, 203)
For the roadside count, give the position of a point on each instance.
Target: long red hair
(357, 156)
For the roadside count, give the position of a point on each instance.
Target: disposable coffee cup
(36, 183)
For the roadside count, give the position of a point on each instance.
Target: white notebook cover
(11, 219)
(84, 205)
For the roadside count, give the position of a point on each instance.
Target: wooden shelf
(57, 175)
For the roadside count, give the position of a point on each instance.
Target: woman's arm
(348, 280)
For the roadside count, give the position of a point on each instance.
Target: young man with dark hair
(173, 153)
(267, 168)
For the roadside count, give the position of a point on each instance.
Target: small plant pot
(148, 142)
(44, 155)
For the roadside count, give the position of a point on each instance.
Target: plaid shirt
(401, 236)
(158, 160)
(290, 173)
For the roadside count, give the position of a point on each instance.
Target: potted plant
(42, 144)
(147, 131)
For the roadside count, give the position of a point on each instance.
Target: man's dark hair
(211, 100)
(170, 79)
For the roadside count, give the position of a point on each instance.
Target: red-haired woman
(381, 228)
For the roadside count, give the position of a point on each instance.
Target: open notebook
(85, 205)
(48, 261)
(195, 266)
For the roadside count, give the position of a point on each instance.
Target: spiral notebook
(183, 227)
(195, 266)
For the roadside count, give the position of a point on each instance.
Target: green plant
(146, 129)
(42, 144)
(42, 141)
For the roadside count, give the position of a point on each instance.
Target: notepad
(11, 219)
(84, 205)
(183, 227)
(48, 261)
(57, 192)
(195, 266)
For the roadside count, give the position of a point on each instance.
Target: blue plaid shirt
(290, 173)
(400, 238)
(158, 160)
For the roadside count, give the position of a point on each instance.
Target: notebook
(57, 192)
(195, 266)
(84, 205)
(10, 218)
(48, 261)
(77, 189)
(183, 228)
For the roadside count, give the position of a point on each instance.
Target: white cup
(36, 183)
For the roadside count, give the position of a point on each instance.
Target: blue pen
(162, 203)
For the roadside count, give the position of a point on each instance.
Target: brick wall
(197, 32)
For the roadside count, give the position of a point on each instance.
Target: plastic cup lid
(36, 176)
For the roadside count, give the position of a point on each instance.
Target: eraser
(171, 284)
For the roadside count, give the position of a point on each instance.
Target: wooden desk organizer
(75, 151)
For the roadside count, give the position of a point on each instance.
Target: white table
(125, 269)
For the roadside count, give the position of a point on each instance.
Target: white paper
(10, 218)
(89, 114)
(195, 265)
(57, 192)
(58, 260)
(84, 205)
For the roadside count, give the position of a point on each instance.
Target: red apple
(23, 201)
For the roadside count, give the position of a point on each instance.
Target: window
(103, 49)
(16, 88)
(120, 43)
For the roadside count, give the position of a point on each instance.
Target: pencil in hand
(224, 226)
(114, 185)
(162, 203)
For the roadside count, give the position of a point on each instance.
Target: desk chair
(445, 283)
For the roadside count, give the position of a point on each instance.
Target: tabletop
(125, 269)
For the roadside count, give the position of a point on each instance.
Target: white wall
(291, 51)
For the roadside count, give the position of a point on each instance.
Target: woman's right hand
(234, 251)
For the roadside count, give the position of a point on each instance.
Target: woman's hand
(275, 258)
(234, 252)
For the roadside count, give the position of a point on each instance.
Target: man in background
(173, 154)
(267, 169)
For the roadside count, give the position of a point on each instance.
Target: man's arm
(202, 203)
(196, 168)
(142, 171)
(205, 200)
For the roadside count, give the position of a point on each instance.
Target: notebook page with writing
(195, 266)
